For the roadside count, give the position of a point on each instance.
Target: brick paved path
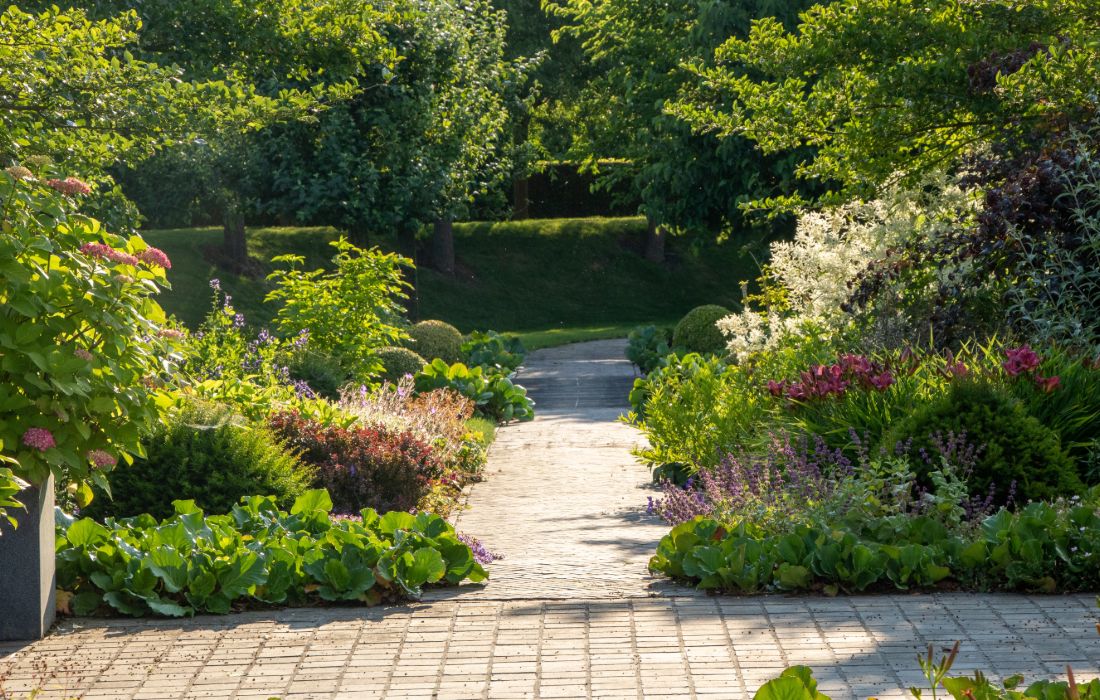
(571, 611)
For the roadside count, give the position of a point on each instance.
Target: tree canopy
(887, 88)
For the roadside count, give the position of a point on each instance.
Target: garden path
(570, 611)
(563, 499)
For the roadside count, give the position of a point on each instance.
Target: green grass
(485, 427)
(553, 281)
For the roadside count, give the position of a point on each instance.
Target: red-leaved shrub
(363, 466)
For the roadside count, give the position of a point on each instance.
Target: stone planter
(27, 567)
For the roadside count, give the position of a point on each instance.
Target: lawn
(555, 281)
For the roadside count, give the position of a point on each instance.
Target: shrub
(258, 555)
(397, 362)
(371, 466)
(10, 487)
(1016, 448)
(697, 330)
(203, 455)
(647, 346)
(436, 339)
(490, 349)
(83, 342)
(349, 311)
(494, 395)
(323, 373)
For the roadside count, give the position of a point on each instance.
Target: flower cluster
(18, 172)
(776, 484)
(481, 553)
(83, 354)
(1025, 361)
(822, 381)
(39, 439)
(70, 186)
(106, 252)
(155, 257)
(102, 459)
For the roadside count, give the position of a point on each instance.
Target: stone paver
(564, 501)
(571, 611)
(626, 648)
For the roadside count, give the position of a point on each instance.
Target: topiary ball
(697, 332)
(1015, 446)
(436, 339)
(397, 362)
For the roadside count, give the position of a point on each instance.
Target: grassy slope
(555, 280)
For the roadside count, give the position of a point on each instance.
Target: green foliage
(351, 310)
(124, 109)
(256, 555)
(494, 395)
(325, 374)
(647, 346)
(694, 410)
(697, 332)
(882, 87)
(397, 362)
(10, 486)
(81, 339)
(205, 455)
(798, 683)
(1016, 447)
(436, 340)
(1041, 547)
(687, 181)
(492, 350)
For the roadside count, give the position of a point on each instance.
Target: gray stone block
(27, 568)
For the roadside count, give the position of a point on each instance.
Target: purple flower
(216, 284)
(481, 553)
(39, 439)
(238, 321)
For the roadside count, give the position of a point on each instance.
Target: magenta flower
(106, 252)
(101, 459)
(1048, 384)
(1022, 360)
(39, 439)
(156, 257)
(70, 186)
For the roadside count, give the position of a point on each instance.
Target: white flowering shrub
(808, 277)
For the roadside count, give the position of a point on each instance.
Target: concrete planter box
(28, 573)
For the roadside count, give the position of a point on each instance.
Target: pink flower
(39, 438)
(882, 382)
(70, 186)
(155, 256)
(1048, 384)
(1020, 360)
(104, 251)
(83, 354)
(101, 459)
(776, 388)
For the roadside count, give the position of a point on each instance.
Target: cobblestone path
(569, 613)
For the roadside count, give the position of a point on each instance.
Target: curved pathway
(569, 613)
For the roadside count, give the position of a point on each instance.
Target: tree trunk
(521, 202)
(406, 243)
(655, 242)
(443, 247)
(234, 243)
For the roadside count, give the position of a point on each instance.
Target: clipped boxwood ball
(1016, 446)
(697, 332)
(436, 339)
(397, 362)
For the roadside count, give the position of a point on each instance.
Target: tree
(687, 182)
(313, 47)
(415, 145)
(890, 89)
